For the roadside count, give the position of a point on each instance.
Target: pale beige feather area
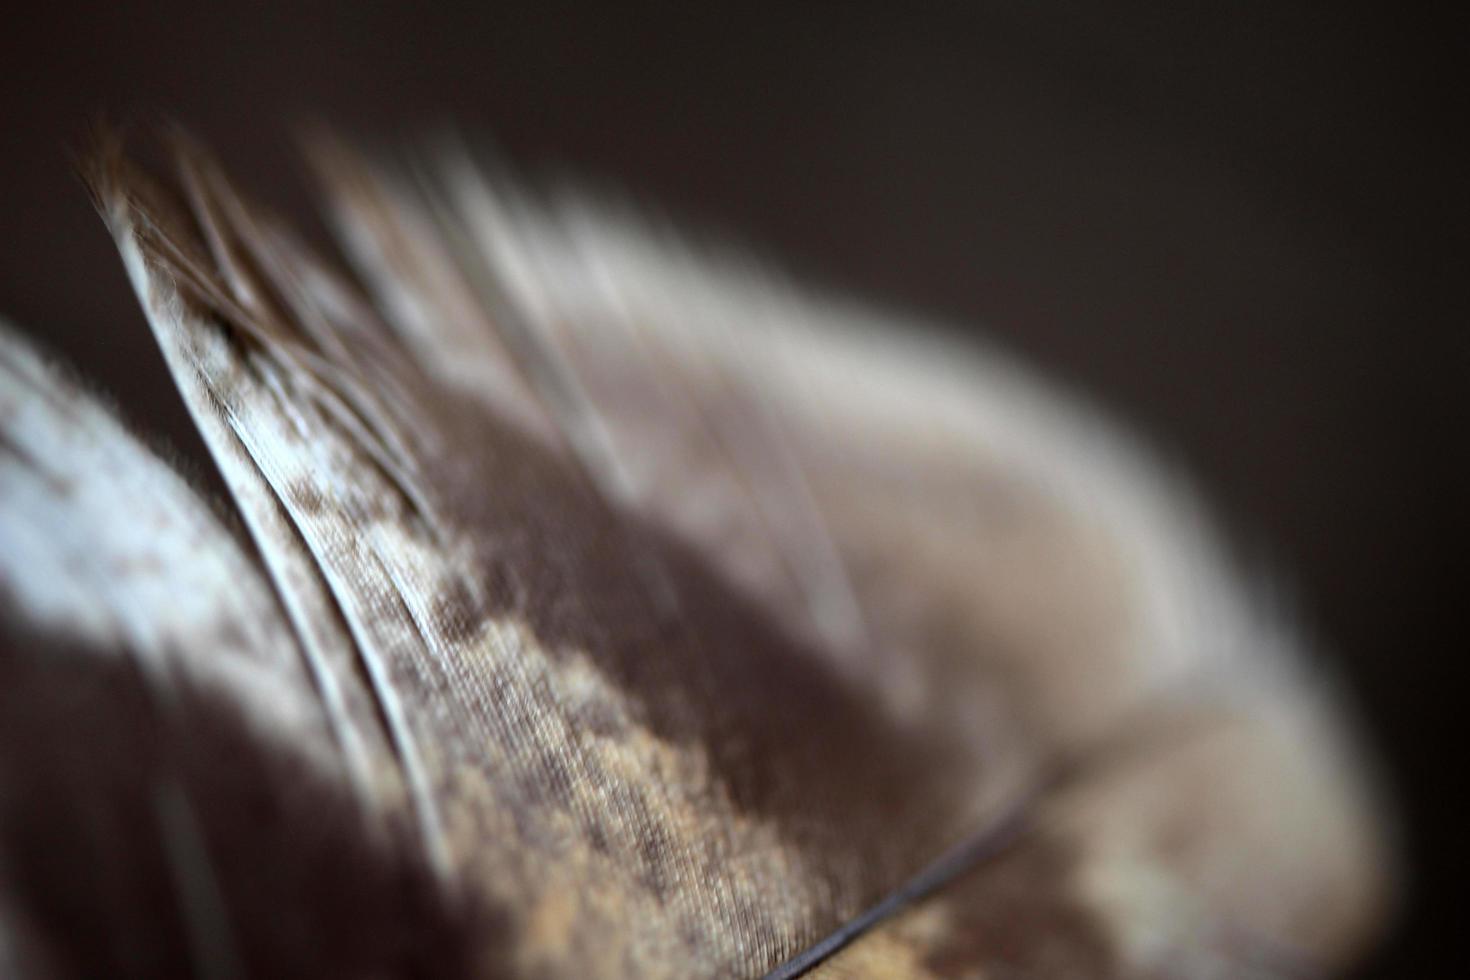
(675, 618)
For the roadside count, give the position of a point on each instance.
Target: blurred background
(1241, 227)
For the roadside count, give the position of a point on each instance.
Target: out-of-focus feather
(106, 546)
(680, 619)
(172, 796)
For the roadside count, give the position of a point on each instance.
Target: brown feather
(682, 619)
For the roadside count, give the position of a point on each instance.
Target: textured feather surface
(670, 619)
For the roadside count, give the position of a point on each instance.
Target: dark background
(1239, 225)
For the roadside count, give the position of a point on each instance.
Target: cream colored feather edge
(602, 609)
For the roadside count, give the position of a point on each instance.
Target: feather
(168, 767)
(654, 617)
